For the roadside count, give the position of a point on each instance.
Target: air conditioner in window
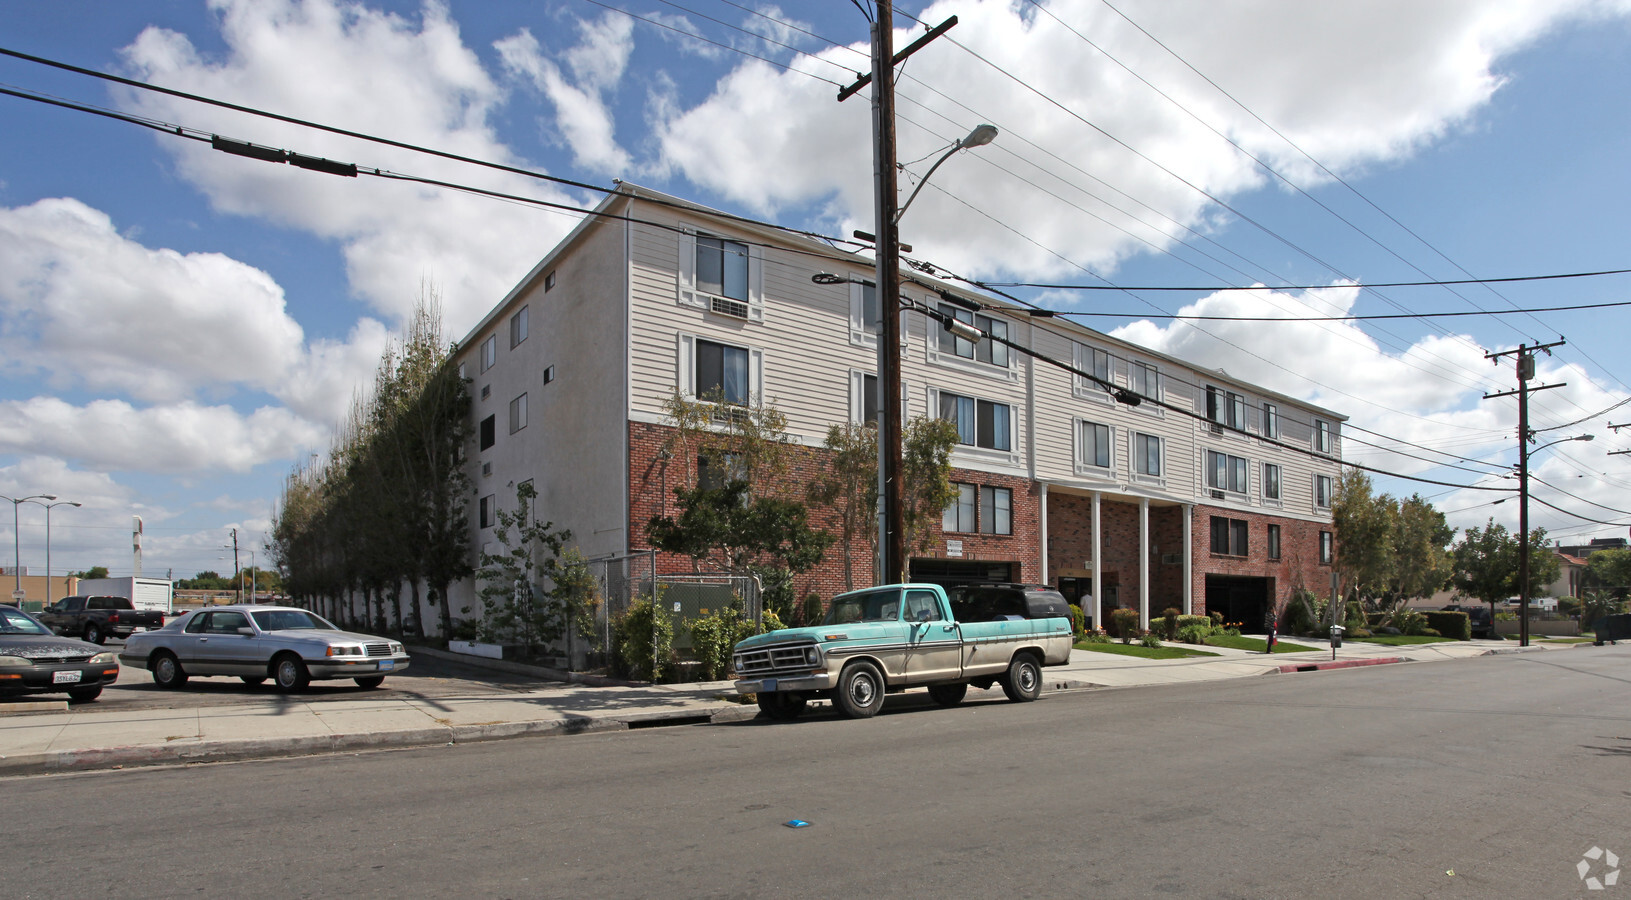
(1217, 495)
(728, 307)
(1171, 559)
(1214, 427)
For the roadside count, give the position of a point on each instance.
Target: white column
(1189, 559)
(1098, 581)
(1042, 529)
(1144, 563)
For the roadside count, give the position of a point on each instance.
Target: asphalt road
(1364, 783)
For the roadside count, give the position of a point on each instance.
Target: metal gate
(684, 596)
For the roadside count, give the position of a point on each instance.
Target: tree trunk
(444, 609)
(418, 619)
(396, 607)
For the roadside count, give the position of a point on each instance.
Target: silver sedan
(291, 646)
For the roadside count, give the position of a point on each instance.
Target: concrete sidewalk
(91, 738)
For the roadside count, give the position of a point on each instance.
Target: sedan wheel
(167, 671)
(252, 679)
(290, 674)
(85, 694)
(371, 682)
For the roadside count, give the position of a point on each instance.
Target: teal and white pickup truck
(885, 639)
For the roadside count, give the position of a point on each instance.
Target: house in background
(1219, 500)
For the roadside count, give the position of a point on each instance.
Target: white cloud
(375, 73)
(177, 438)
(1401, 74)
(597, 63)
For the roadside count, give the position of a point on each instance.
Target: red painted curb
(1340, 664)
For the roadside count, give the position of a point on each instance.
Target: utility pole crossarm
(863, 80)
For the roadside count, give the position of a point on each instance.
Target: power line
(1325, 287)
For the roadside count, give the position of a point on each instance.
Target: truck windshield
(879, 606)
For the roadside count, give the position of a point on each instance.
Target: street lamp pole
(48, 507)
(17, 543)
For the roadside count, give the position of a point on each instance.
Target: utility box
(143, 593)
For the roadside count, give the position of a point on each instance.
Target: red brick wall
(646, 491)
(1298, 565)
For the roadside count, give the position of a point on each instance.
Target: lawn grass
(1257, 645)
(1402, 640)
(1166, 651)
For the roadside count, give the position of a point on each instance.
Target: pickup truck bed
(98, 618)
(886, 639)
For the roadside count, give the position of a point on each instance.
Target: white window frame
(1271, 542)
(972, 365)
(1135, 459)
(1330, 485)
(857, 397)
(1279, 481)
(489, 352)
(951, 518)
(859, 334)
(689, 294)
(988, 525)
(686, 366)
(1078, 438)
(1085, 357)
(1148, 409)
(1327, 548)
(1271, 421)
(1232, 465)
(1324, 437)
(974, 451)
(518, 413)
(518, 328)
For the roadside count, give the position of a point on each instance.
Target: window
(549, 375)
(959, 516)
(549, 282)
(462, 375)
(996, 510)
(980, 423)
(721, 372)
(489, 431)
(1144, 379)
(1322, 491)
(722, 268)
(1095, 445)
(869, 399)
(718, 469)
(1322, 436)
(1327, 548)
(489, 352)
(1228, 536)
(486, 391)
(1225, 473)
(1095, 362)
(985, 351)
(1271, 481)
(1274, 542)
(518, 413)
(1226, 408)
(518, 328)
(489, 505)
(1271, 421)
(1147, 454)
(869, 317)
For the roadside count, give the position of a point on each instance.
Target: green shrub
(1455, 625)
(1302, 613)
(1124, 623)
(1217, 618)
(1095, 637)
(1169, 623)
(1194, 633)
(714, 636)
(812, 610)
(1077, 625)
(1357, 633)
(1150, 639)
(643, 641)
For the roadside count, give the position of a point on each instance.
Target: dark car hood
(42, 646)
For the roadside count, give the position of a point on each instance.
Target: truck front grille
(772, 660)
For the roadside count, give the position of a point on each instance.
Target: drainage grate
(670, 720)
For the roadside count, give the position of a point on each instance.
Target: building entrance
(1240, 599)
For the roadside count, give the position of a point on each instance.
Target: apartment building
(1217, 497)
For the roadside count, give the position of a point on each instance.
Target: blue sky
(179, 328)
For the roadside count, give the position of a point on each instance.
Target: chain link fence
(681, 596)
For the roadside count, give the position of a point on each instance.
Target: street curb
(1340, 664)
(56, 762)
(33, 706)
(515, 668)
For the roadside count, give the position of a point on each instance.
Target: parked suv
(1478, 617)
(988, 602)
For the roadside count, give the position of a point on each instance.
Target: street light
(979, 137)
(1524, 437)
(16, 542)
(48, 540)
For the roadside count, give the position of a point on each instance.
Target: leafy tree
(1486, 564)
(516, 604)
(1364, 526)
(1610, 571)
(93, 572)
(926, 445)
(1421, 560)
(850, 484)
(206, 581)
(733, 530)
(1597, 604)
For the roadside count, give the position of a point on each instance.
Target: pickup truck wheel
(290, 673)
(85, 695)
(948, 694)
(167, 671)
(860, 690)
(781, 707)
(93, 633)
(1024, 679)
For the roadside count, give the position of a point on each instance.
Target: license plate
(65, 677)
(768, 685)
(138, 628)
(385, 665)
